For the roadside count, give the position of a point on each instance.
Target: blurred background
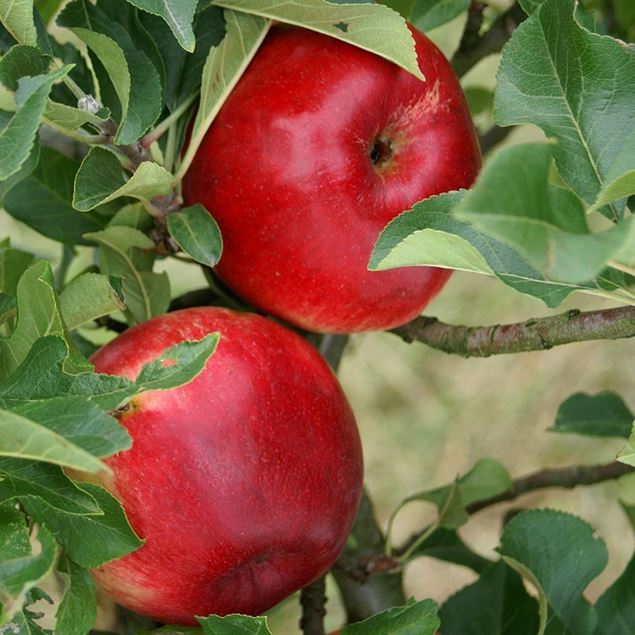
(426, 417)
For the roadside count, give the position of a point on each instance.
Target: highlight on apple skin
(244, 482)
(317, 148)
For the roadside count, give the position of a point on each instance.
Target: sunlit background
(426, 417)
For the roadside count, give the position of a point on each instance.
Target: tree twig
(471, 34)
(198, 297)
(564, 477)
(135, 152)
(313, 597)
(110, 323)
(364, 595)
(473, 50)
(493, 137)
(533, 335)
(313, 601)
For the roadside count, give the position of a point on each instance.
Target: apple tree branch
(563, 477)
(363, 595)
(313, 602)
(474, 47)
(536, 334)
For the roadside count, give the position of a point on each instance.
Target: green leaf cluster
(546, 219)
(57, 415)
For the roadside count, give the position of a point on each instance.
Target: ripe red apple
(317, 148)
(244, 482)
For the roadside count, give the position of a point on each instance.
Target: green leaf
(78, 420)
(224, 66)
(133, 76)
(446, 545)
(47, 360)
(133, 215)
(479, 99)
(43, 201)
(625, 14)
(627, 453)
(38, 315)
(146, 294)
(90, 541)
(87, 298)
(19, 575)
(178, 364)
(616, 607)
(372, 27)
(100, 179)
(585, 18)
(25, 169)
(621, 187)
(182, 71)
(601, 415)
(496, 603)
(178, 14)
(559, 554)
(125, 238)
(626, 253)
(429, 14)
(13, 263)
(17, 18)
(8, 307)
(75, 417)
(415, 618)
(430, 235)
(513, 201)
(21, 478)
(628, 508)
(529, 6)
(21, 61)
(70, 118)
(197, 233)
(14, 532)
(22, 438)
(234, 625)
(77, 611)
(18, 136)
(486, 479)
(47, 8)
(577, 86)
(23, 624)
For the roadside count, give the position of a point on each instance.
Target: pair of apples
(246, 481)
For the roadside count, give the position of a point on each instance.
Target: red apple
(317, 148)
(244, 482)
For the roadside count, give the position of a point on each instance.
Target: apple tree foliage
(118, 81)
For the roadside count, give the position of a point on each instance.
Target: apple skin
(244, 482)
(317, 148)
